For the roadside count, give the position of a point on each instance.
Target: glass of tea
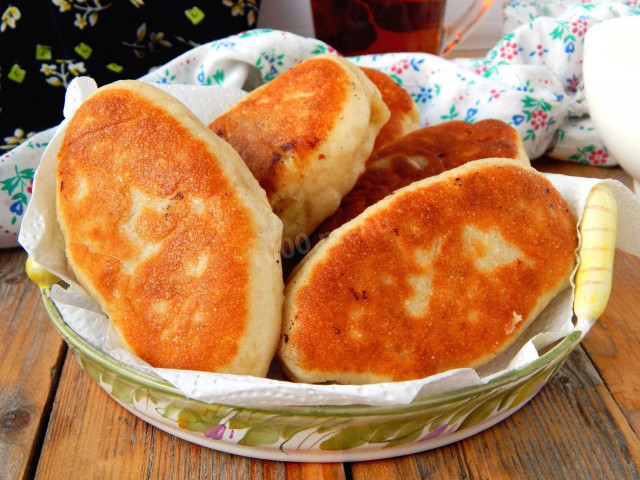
(355, 27)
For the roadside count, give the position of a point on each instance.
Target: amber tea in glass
(355, 27)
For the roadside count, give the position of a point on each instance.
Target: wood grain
(91, 436)
(32, 353)
(566, 431)
(584, 424)
(319, 471)
(614, 342)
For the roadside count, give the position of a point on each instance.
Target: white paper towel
(41, 237)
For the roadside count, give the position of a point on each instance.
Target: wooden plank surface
(614, 342)
(91, 436)
(31, 353)
(567, 431)
(584, 424)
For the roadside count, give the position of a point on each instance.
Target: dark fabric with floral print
(44, 44)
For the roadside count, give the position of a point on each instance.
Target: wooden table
(55, 422)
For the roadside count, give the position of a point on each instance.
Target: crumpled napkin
(531, 79)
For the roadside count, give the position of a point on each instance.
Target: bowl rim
(143, 380)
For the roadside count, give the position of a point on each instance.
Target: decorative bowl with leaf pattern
(355, 432)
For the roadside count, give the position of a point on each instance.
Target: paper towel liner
(41, 237)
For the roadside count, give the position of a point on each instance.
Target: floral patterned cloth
(531, 79)
(44, 44)
(558, 27)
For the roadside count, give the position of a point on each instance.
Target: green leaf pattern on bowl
(330, 428)
(254, 427)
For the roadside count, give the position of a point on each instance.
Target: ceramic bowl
(354, 432)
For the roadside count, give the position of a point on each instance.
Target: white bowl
(612, 77)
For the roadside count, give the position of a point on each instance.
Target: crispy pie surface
(290, 117)
(404, 114)
(155, 231)
(437, 279)
(420, 154)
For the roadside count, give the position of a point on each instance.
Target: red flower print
(494, 94)
(400, 66)
(572, 83)
(30, 187)
(632, 3)
(579, 26)
(539, 119)
(509, 50)
(598, 157)
(481, 69)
